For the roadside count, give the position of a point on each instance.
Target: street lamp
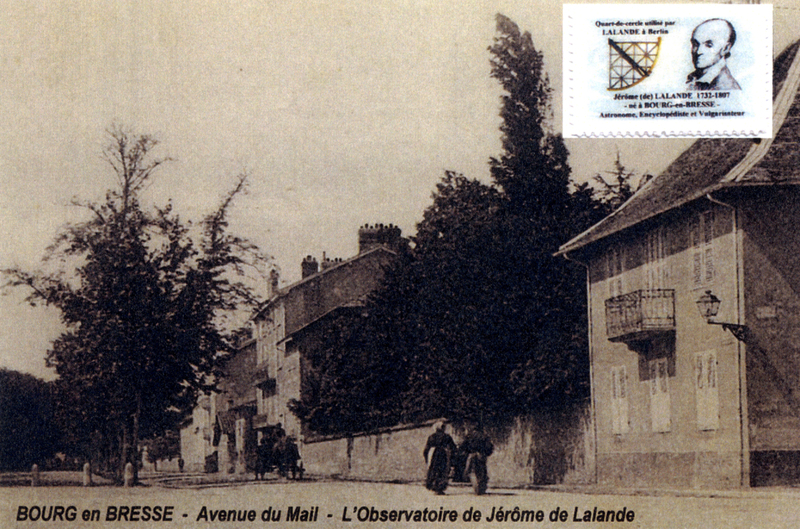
(708, 305)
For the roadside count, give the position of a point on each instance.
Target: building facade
(678, 401)
(266, 374)
(287, 326)
(217, 436)
(196, 434)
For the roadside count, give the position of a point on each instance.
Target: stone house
(217, 436)
(288, 325)
(681, 400)
(267, 372)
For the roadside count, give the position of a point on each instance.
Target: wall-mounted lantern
(708, 305)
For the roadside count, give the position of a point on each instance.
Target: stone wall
(391, 454)
(534, 451)
(548, 449)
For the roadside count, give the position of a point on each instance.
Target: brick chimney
(376, 235)
(272, 287)
(309, 266)
(327, 262)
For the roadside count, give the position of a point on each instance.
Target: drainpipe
(743, 412)
(591, 358)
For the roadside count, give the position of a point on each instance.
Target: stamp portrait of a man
(711, 42)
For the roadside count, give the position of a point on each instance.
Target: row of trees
(479, 320)
(29, 431)
(143, 296)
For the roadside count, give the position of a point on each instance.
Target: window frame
(660, 401)
(706, 383)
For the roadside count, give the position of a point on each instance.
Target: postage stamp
(700, 70)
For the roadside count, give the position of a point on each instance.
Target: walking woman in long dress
(437, 454)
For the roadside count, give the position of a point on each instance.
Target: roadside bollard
(87, 474)
(35, 475)
(129, 474)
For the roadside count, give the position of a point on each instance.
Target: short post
(35, 475)
(87, 474)
(129, 474)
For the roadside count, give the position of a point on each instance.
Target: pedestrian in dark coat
(279, 449)
(438, 451)
(291, 456)
(262, 464)
(478, 448)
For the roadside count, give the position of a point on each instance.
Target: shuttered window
(655, 265)
(659, 395)
(702, 241)
(615, 265)
(619, 400)
(707, 391)
(240, 431)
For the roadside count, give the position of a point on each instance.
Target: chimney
(376, 235)
(274, 276)
(309, 267)
(328, 263)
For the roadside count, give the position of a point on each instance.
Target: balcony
(640, 315)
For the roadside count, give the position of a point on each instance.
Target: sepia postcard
(497, 263)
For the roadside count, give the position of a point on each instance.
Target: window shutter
(660, 405)
(619, 400)
(707, 393)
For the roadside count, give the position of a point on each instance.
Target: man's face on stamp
(711, 43)
(711, 46)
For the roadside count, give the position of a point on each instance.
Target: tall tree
(532, 171)
(142, 307)
(480, 321)
(547, 302)
(623, 184)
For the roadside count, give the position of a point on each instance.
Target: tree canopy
(142, 300)
(622, 184)
(480, 321)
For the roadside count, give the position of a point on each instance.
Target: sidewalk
(754, 492)
(196, 480)
(50, 478)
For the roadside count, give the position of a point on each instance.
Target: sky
(342, 112)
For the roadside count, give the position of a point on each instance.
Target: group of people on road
(466, 461)
(278, 451)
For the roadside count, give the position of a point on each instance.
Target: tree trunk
(123, 456)
(136, 415)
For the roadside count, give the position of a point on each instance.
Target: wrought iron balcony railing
(640, 314)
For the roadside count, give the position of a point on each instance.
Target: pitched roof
(345, 285)
(285, 291)
(711, 164)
